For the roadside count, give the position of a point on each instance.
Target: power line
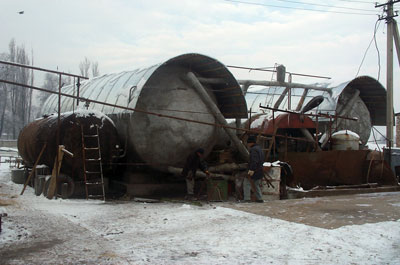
(355, 1)
(339, 7)
(379, 55)
(299, 8)
(377, 24)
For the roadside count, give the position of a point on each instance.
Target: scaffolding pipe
(217, 114)
(283, 84)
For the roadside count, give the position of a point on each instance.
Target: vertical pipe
(398, 130)
(316, 135)
(78, 85)
(58, 129)
(389, 76)
(73, 100)
(290, 93)
(250, 121)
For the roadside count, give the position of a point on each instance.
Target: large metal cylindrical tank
(159, 91)
(44, 130)
(165, 141)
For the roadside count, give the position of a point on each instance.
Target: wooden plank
(56, 171)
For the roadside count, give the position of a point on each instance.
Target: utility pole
(391, 23)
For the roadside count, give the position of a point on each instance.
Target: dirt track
(330, 212)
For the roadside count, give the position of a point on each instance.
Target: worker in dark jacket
(193, 162)
(255, 171)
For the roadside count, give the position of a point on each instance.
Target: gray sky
(127, 34)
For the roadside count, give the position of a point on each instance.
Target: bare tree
(51, 83)
(19, 96)
(3, 92)
(84, 67)
(30, 93)
(16, 100)
(95, 69)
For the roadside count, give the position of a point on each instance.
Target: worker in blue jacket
(255, 173)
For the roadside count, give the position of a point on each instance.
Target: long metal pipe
(303, 97)
(283, 84)
(309, 136)
(177, 171)
(209, 80)
(143, 111)
(307, 114)
(217, 114)
(41, 69)
(281, 97)
(266, 70)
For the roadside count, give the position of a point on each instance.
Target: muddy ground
(330, 212)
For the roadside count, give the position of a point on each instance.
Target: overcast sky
(127, 34)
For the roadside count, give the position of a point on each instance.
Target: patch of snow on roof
(348, 132)
(257, 123)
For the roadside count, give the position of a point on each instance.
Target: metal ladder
(92, 165)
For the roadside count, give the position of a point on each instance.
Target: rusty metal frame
(318, 115)
(60, 74)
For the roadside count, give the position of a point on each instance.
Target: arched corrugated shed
(374, 96)
(125, 88)
(372, 93)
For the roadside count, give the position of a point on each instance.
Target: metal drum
(345, 140)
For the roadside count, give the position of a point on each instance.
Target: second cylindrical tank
(44, 130)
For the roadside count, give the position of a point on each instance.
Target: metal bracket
(130, 93)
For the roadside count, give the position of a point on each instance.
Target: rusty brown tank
(33, 136)
(338, 167)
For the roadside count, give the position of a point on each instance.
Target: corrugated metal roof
(125, 88)
(372, 93)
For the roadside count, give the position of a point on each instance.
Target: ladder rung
(94, 183)
(96, 196)
(91, 148)
(93, 159)
(91, 135)
(92, 172)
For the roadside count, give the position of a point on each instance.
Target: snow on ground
(118, 232)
